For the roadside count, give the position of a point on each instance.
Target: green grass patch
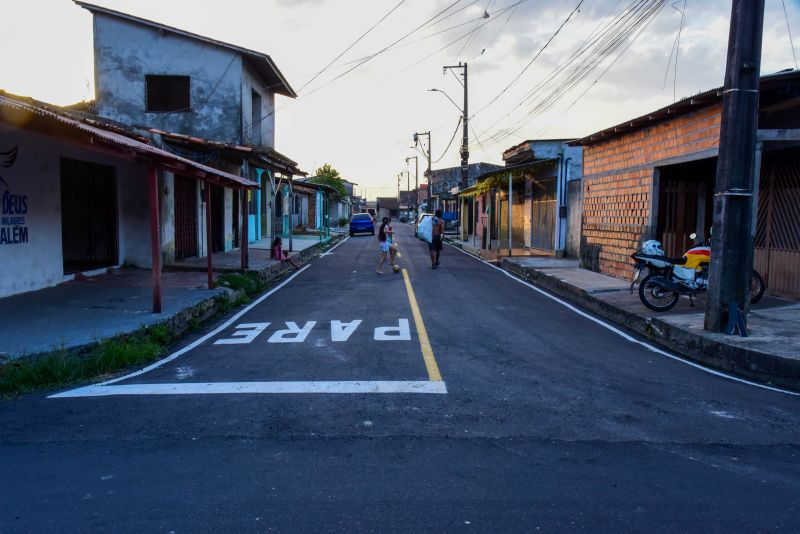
(250, 283)
(64, 367)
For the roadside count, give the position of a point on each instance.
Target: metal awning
(127, 147)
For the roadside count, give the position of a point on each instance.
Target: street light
(448, 98)
(417, 135)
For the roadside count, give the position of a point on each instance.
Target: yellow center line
(424, 342)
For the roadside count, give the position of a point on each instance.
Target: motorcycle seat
(673, 261)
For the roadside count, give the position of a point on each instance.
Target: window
(167, 93)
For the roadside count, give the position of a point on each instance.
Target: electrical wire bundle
(601, 50)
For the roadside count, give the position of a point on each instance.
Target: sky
(362, 121)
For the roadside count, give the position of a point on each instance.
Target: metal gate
(543, 214)
(185, 217)
(777, 242)
(517, 220)
(88, 216)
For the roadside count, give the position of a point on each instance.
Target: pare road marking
(340, 331)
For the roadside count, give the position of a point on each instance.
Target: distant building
(446, 182)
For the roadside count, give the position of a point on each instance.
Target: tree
(329, 176)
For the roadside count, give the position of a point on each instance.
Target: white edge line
(334, 247)
(218, 388)
(197, 342)
(626, 336)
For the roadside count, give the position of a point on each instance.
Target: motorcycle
(669, 278)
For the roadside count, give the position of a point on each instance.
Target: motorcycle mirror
(693, 236)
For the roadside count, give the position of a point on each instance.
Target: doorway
(185, 217)
(217, 218)
(89, 224)
(543, 214)
(685, 204)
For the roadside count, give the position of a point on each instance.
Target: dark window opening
(167, 93)
(255, 123)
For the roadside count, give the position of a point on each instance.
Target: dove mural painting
(13, 228)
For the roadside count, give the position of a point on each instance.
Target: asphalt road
(543, 420)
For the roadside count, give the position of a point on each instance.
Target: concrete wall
(266, 127)
(125, 52)
(618, 185)
(36, 175)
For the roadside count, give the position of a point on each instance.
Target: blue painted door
(254, 214)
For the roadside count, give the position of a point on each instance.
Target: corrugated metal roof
(118, 139)
(268, 155)
(681, 107)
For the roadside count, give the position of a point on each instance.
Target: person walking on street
(390, 239)
(435, 246)
(383, 244)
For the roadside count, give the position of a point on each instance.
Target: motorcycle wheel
(656, 297)
(756, 287)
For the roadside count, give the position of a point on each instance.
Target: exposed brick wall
(618, 185)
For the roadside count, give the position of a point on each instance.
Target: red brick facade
(618, 185)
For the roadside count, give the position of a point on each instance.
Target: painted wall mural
(13, 225)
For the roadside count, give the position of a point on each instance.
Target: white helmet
(653, 248)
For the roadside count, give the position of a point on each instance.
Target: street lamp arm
(448, 98)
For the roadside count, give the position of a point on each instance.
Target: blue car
(362, 223)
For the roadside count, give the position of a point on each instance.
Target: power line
(676, 47)
(451, 141)
(791, 41)
(384, 49)
(426, 23)
(486, 16)
(451, 43)
(499, 31)
(617, 35)
(517, 77)
(353, 44)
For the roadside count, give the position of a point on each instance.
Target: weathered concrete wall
(36, 175)
(167, 205)
(266, 127)
(125, 52)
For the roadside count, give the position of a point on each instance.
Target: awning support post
(208, 236)
(245, 244)
(155, 236)
(509, 215)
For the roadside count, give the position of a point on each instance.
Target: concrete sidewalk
(259, 256)
(771, 353)
(83, 312)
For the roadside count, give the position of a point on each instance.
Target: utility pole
(465, 122)
(732, 242)
(416, 187)
(416, 140)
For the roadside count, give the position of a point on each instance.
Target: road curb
(279, 268)
(733, 359)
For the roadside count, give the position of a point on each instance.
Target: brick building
(653, 178)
